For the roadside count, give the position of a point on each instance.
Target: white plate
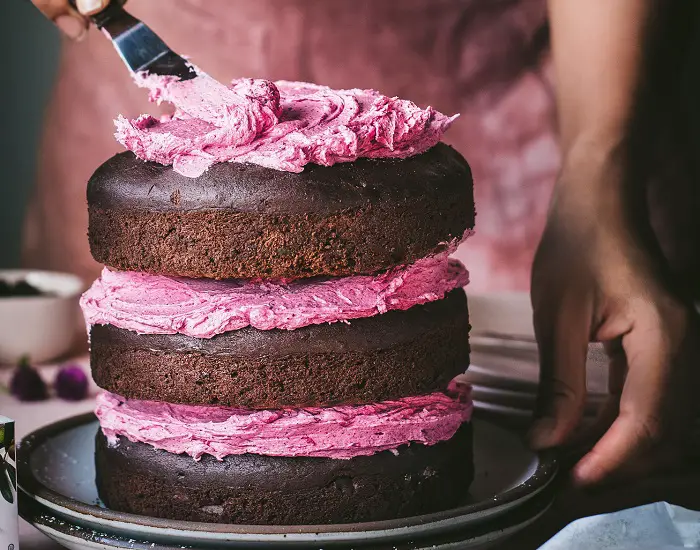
(508, 398)
(503, 410)
(523, 400)
(56, 470)
(519, 371)
(486, 376)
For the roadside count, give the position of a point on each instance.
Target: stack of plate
(504, 370)
(504, 374)
(512, 488)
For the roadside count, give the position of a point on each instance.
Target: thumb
(632, 442)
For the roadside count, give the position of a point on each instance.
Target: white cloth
(658, 526)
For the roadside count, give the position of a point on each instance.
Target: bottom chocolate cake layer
(264, 490)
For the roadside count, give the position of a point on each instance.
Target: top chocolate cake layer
(246, 221)
(127, 183)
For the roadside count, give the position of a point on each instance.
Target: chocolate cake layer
(379, 358)
(247, 221)
(254, 489)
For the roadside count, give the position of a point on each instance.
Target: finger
(563, 344)
(72, 26)
(69, 21)
(630, 448)
(52, 8)
(91, 7)
(633, 438)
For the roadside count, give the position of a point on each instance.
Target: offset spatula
(138, 46)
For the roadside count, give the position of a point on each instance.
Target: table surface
(679, 488)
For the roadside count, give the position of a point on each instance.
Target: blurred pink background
(485, 60)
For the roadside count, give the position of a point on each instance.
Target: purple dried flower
(26, 383)
(71, 383)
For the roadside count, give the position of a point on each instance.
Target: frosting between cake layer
(341, 432)
(200, 308)
(282, 125)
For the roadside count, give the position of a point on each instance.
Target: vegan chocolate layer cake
(279, 327)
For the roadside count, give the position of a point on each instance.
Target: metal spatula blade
(140, 48)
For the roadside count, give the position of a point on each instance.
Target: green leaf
(5, 489)
(9, 438)
(12, 474)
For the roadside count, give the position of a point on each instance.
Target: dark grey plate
(480, 537)
(56, 470)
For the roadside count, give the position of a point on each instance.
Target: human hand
(598, 277)
(73, 22)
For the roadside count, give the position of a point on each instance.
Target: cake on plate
(279, 329)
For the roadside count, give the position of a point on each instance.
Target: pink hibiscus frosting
(157, 304)
(341, 432)
(282, 125)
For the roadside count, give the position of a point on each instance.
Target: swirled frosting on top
(201, 308)
(340, 432)
(282, 125)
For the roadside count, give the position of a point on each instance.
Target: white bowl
(506, 314)
(42, 327)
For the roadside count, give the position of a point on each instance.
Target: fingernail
(541, 433)
(71, 26)
(90, 7)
